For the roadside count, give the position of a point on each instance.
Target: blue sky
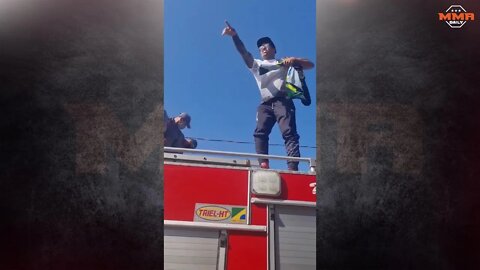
(206, 77)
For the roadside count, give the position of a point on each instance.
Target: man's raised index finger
(228, 24)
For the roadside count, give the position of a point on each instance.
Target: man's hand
(289, 61)
(247, 57)
(297, 62)
(229, 30)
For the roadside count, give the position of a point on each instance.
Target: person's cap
(193, 142)
(264, 40)
(185, 116)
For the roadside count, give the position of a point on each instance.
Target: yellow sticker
(213, 213)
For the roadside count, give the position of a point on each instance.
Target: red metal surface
(297, 187)
(258, 214)
(186, 185)
(247, 250)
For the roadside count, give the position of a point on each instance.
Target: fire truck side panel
(247, 250)
(291, 227)
(184, 186)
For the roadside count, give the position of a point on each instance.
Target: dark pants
(282, 111)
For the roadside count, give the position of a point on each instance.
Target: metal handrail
(311, 161)
(215, 226)
(283, 202)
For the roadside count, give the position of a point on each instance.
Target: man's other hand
(229, 30)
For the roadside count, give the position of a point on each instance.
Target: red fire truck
(222, 211)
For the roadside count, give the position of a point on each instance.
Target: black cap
(264, 40)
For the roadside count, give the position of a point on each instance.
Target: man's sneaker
(264, 165)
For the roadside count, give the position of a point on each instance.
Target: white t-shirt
(270, 78)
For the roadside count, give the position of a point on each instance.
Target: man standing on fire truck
(275, 106)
